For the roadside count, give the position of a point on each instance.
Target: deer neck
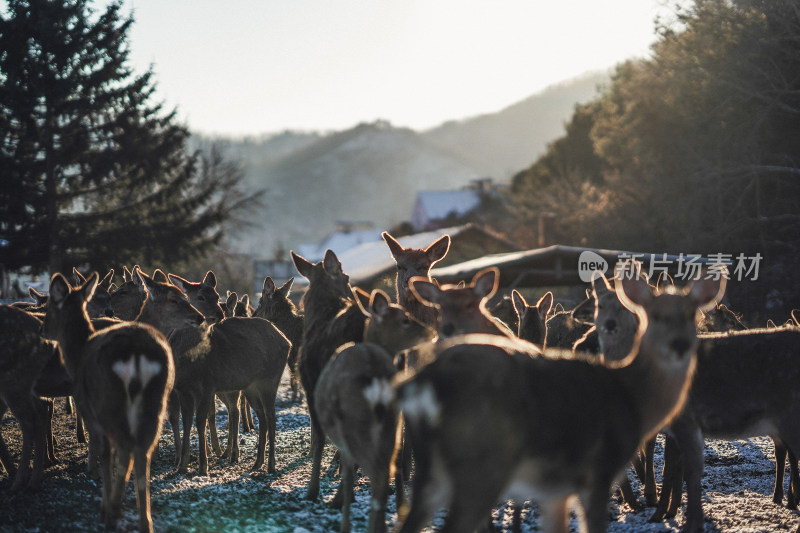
(72, 340)
(657, 386)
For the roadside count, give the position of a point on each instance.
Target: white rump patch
(135, 367)
(420, 403)
(379, 391)
(125, 370)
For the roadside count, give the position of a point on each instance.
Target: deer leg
(780, 469)
(627, 492)
(379, 486)
(141, 462)
(317, 447)
(50, 457)
(256, 401)
(346, 489)
(212, 427)
(246, 416)
(672, 475)
(554, 515)
(80, 430)
(272, 418)
(200, 419)
(232, 447)
(794, 483)
(690, 441)
(650, 492)
(187, 414)
(26, 416)
(43, 410)
(106, 467)
(595, 506)
(174, 416)
(124, 461)
(516, 522)
(426, 498)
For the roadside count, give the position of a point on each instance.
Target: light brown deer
(413, 262)
(276, 307)
(462, 309)
(474, 443)
(122, 376)
(332, 318)
(354, 403)
(236, 354)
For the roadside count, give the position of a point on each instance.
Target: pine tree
(91, 170)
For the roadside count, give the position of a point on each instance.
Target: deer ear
(425, 291)
(268, 288)
(79, 279)
(520, 305)
(331, 263)
(159, 276)
(486, 281)
(633, 292)
(600, 284)
(544, 304)
(286, 288)
(178, 281)
(59, 288)
(303, 265)
(707, 292)
(438, 249)
(394, 247)
(379, 303)
(246, 300)
(210, 279)
(89, 286)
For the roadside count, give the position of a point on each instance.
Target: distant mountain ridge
(374, 170)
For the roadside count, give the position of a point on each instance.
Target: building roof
(555, 265)
(438, 205)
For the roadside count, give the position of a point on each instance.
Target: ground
(738, 489)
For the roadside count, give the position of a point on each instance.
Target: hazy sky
(258, 66)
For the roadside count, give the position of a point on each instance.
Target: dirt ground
(738, 488)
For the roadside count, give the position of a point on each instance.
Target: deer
(462, 309)
(504, 310)
(532, 319)
(731, 364)
(24, 354)
(456, 407)
(122, 376)
(235, 354)
(275, 306)
(413, 262)
(354, 404)
(204, 296)
(332, 318)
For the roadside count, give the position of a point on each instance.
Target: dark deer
(332, 318)
(23, 356)
(532, 319)
(355, 405)
(475, 443)
(122, 376)
(276, 307)
(413, 262)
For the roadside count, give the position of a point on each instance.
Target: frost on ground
(737, 489)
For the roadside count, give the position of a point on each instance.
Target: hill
(373, 171)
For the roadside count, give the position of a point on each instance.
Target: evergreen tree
(93, 172)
